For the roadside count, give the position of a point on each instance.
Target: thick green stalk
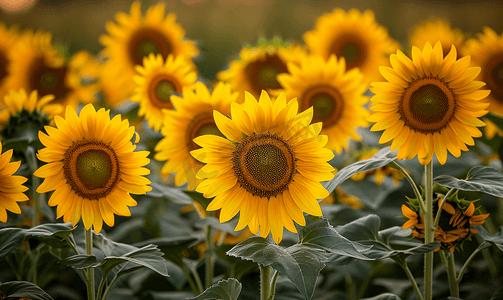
(210, 258)
(429, 234)
(265, 282)
(90, 271)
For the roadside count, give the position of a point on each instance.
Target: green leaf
(480, 178)
(10, 239)
(369, 193)
(22, 289)
(380, 159)
(175, 195)
(300, 264)
(224, 289)
(498, 295)
(490, 239)
(59, 230)
(81, 261)
(173, 247)
(386, 296)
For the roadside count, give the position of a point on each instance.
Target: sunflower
(430, 104)
(268, 166)
(257, 67)
(355, 36)
(436, 30)
(192, 117)
(380, 173)
(338, 196)
(11, 186)
(24, 115)
(335, 95)
(455, 225)
(135, 37)
(8, 37)
(113, 91)
(159, 79)
(37, 65)
(91, 167)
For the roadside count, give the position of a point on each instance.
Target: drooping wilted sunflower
(257, 67)
(268, 167)
(91, 167)
(430, 104)
(335, 95)
(192, 117)
(355, 36)
(159, 79)
(8, 37)
(436, 30)
(11, 186)
(24, 115)
(135, 37)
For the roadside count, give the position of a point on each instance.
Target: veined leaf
(480, 178)
(490, 239)
(80, 261)
(22, 289)
(224, 289)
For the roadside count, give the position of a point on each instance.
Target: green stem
(90, 271)
(101, 287)
(265, 282)
(198, 280)
(210, 258)
(448, 260)
(405, 267)
(429, 234)
(465, 266)
(439, 212)
(350, 287)
(273, 284)
(36, 199)
(109, 288)
(192, 284)
(412, 184)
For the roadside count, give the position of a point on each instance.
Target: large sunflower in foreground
(268, 167)
(430, 104)
(433, 31)
(192, 116)
(11, 186)
(8, 37)
(355, 36)
(157, 81)
(91, 167)
(257, 67)
(335, 95)
(135, 37)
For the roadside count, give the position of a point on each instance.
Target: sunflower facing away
(11, 186)
(135, 37)
(355, 36)
(430, 104)
(192, 117)
(268, 167)
(257, 67)
(436, 30)
(335, 95)
(159, 79)
(91, 167)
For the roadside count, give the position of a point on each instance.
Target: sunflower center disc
(201, 124)
(352, 48)
(3, 65)
(327, 104)
(146, 41)
(164, 90)
(262, 73)
(493, 75)
(264, 164)
(427, 105)
(91, 168)
(160, 90)
(47, 80)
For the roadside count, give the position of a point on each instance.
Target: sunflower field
(225, 149)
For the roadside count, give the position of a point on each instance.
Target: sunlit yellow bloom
(157, 81)
(257, 68)
(429, 105)
(114, 91)
(8, 37)
(91, 167)
(11, 186)
(268, 166)
(355, 36)
(135, 36)
(335, 95)
(192, 117)
(379, 173)
(436, 30)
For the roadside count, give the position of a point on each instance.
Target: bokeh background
(222, 27)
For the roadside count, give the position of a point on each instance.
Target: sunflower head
(91, 166)
(11, 186)
(335, 95)
(157, 81)
(8, 37)
(455, 225)
(25, 115)
(436, 30)
(355, 36)
(267, 167)
(338, 196)
(429, 105)
(378, 174)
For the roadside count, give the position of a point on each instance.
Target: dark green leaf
(10, 239)
(58, 230)
(80, 261)
(172, 247)
(368, 192)
(199, 198)
(21, 289)
(225, 290)
(480, 178)
(498, 295)
(494, 239)
(380, 159)
(173, 194)
(386, 296)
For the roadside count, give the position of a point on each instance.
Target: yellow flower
(338, 196)
(268, 166)
(159, 79)
(114, 91)
(355, 36)
(379, 173)
(8, 37)
(11, 186)
(91, 167)
(429, 105)
(192, 116)
(257, 68)
(335, 95)
(436, 30)
(135, 37)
